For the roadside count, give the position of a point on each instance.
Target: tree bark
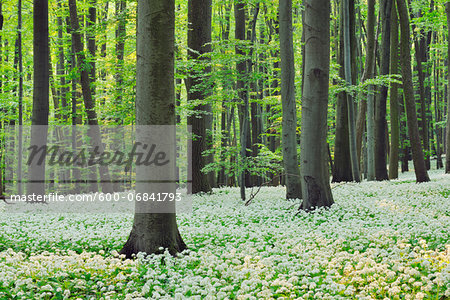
(289, 123)
(155, 105)
(94, 130)
(381, 97)
(413, 128)
(350, 104)
(393, 100)
(314, 167)
(41, 66)
(367, 74)
(199, 39)
(342, 170)
(242, 87)
(447, 138)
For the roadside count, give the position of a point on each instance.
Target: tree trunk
(342, 170)
(368, 73)
(241, 68)
(120, 52)
(155, 105)
(413, 128)
(381, 97)
(393, 100)
(313, 155)
(350, 104)
(289, 124)
(94, 130)
(199, 39)
(447, 138)
(41, 55)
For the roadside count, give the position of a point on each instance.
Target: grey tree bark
(289, 123)
(381, 97)
(363, 103)
(350, 104)
(199, 39)
(342, 170)
(41, 66)
(393, 100)
(89, 104)
(447, 147)
(313, 156)
(413, 128)
(155, 105)
(242, 87)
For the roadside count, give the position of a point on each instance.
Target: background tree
(447, 147)
(381, 97)
(199, 45)
(393, 100)
(413, 128)
(41, 67)
(289, 126)
(313, 155)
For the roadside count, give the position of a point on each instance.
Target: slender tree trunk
(289, 126)
(381, 97)
(120, 52)
(368, 73)
(313, 155)
(41, 51)
(199, 39)
(20, 135)
(94, 130)
(447, 139)
(91, 43)
(393, 100)
(155, 105)
(413, 129)
(342, 170)
(60, 65)
(350, 104)
(241, 67)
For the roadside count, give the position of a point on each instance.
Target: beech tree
(155, 105)
(413, 127)
(199, 43)
(447, 147)
(39, 119)
(289, 129)
(313, 155)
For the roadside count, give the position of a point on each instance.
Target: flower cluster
(379, 240)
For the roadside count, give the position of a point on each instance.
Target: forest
(225, 149)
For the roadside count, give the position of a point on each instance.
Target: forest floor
(379, 240)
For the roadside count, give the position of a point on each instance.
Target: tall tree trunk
(381, 97)
(350, 104)
(342, 170)
(90, 41)
(242, 87)
(447, 138)
(199, 39)
(94, 130)
(225, 124)
(313, 155)
(60, 65)
(393, 100)
(289, 124)
(41, 55)
(413, 128)
(155, 105)
(120, 52)
(20, 108)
